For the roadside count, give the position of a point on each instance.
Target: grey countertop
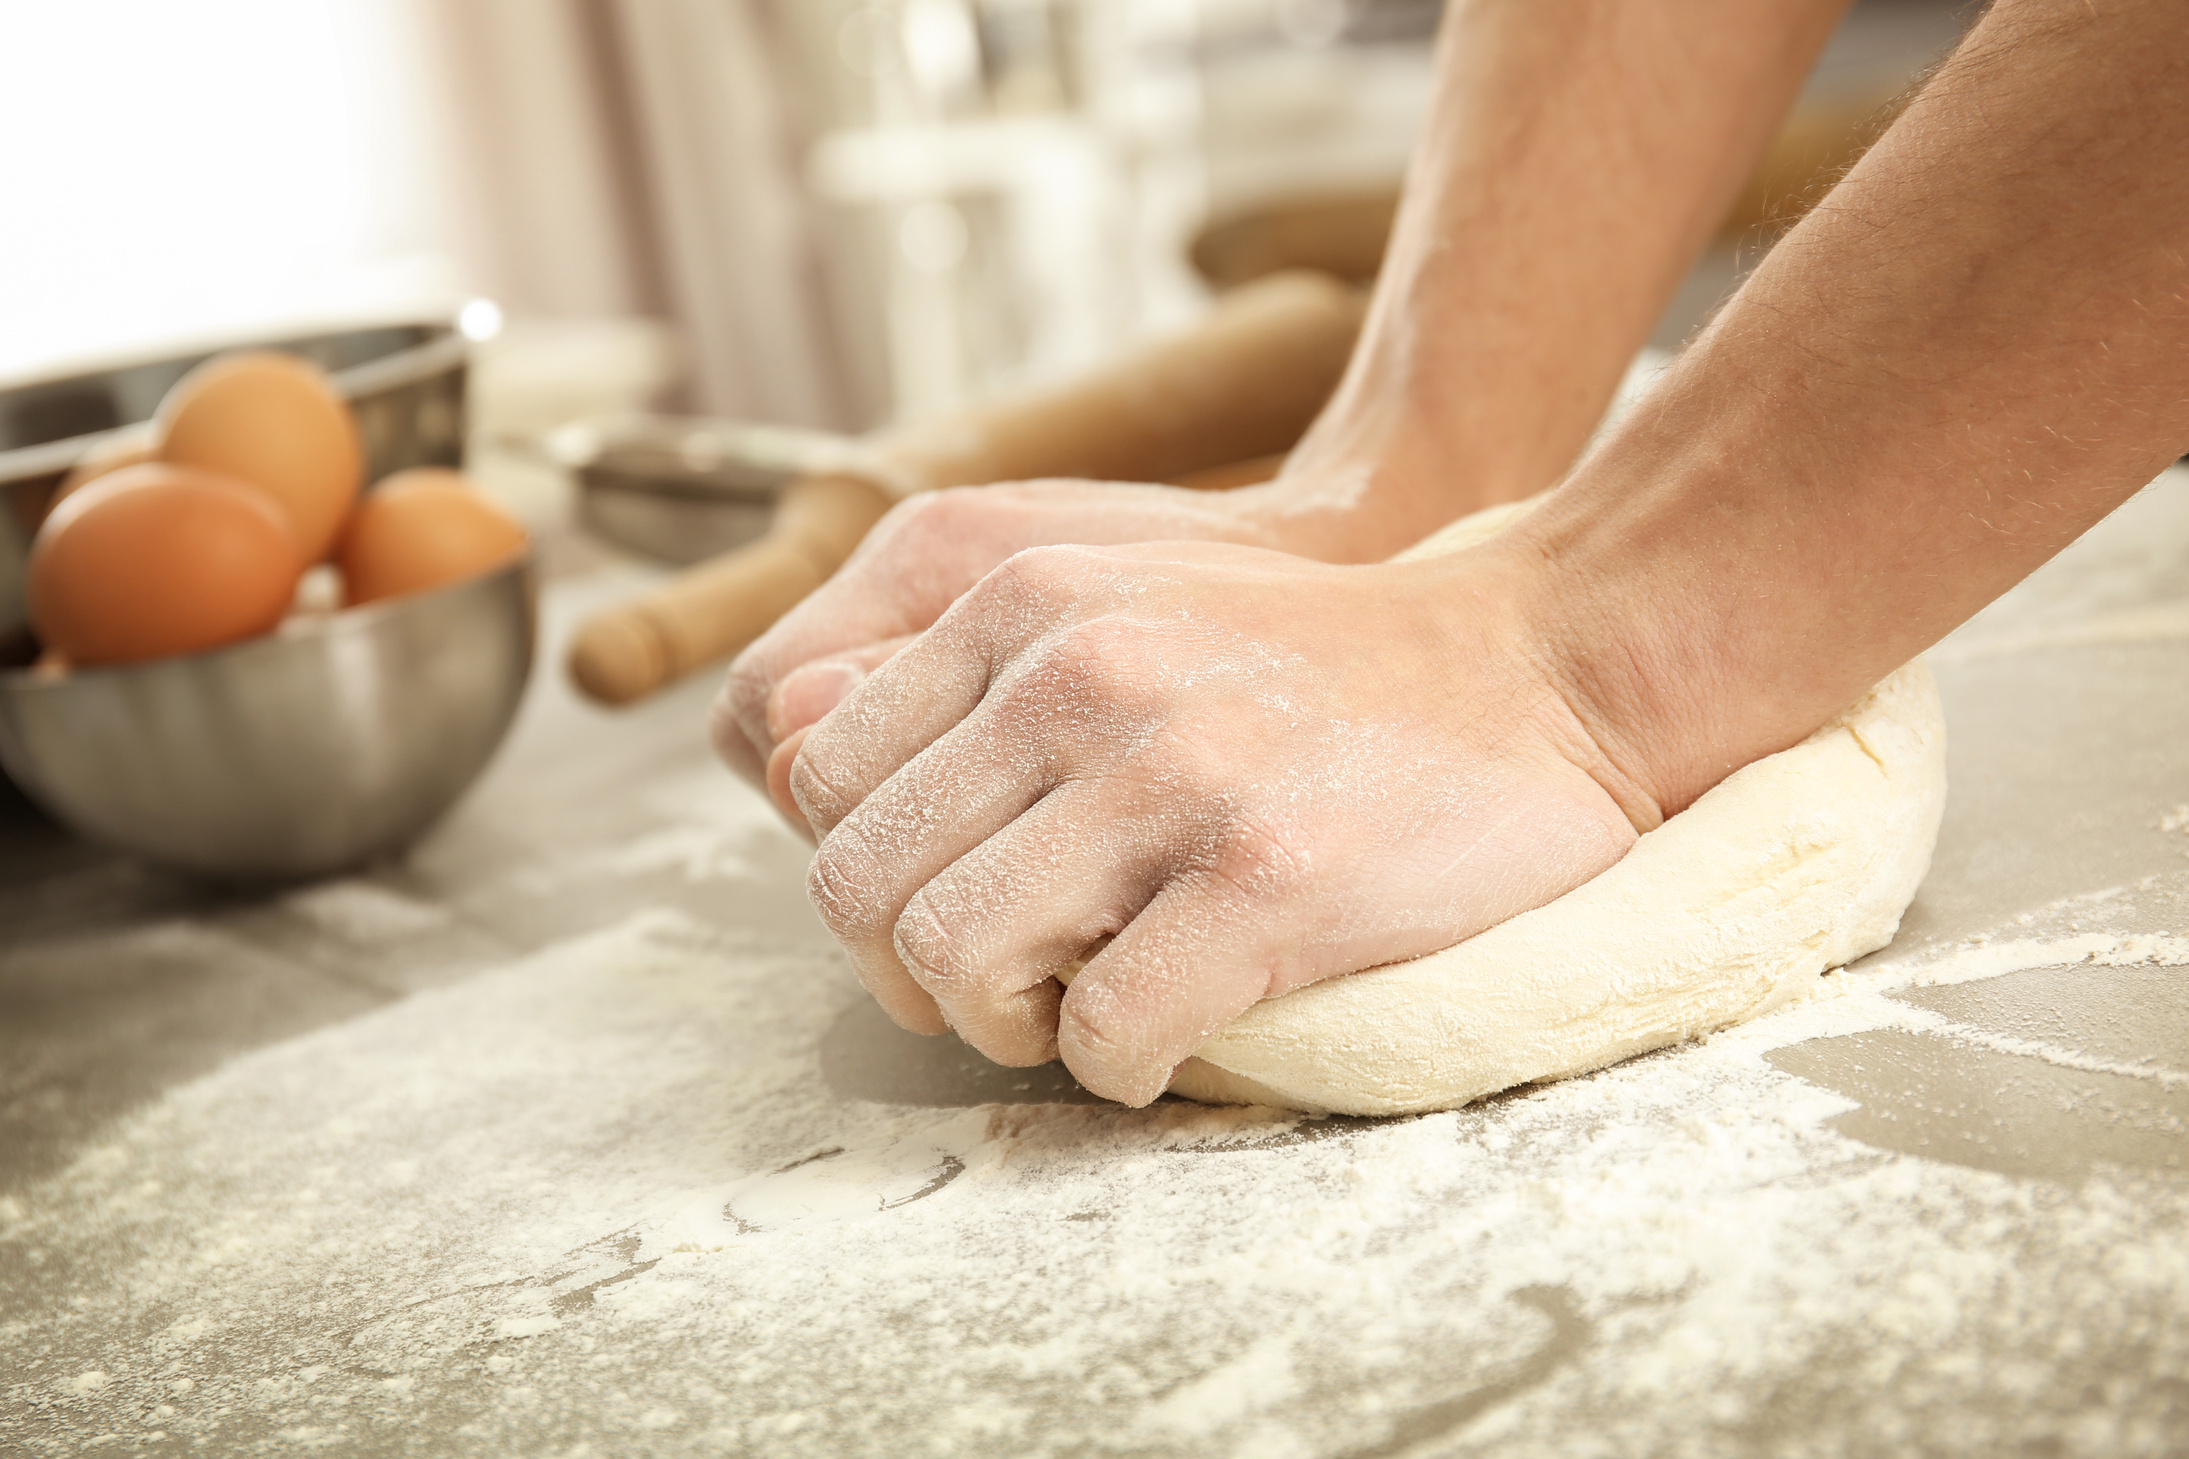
(570, 1133)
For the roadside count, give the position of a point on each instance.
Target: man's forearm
(1578, 157)
(1972, 350)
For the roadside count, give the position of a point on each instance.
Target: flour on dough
(1798, 863)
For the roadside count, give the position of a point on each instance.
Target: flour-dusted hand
(1558, 199)
(1253, 770)
(912, 566)
(932, 548)
(1246, 770)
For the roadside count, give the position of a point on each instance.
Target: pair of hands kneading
(1247, 770)
(1224, 746)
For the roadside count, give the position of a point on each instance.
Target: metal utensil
(332, 740)
(686, 489)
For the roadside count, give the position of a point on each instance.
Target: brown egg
(274, 421)
(159, 559)
(422, 529)
(129, 446)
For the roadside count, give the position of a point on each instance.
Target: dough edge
(1798, 863)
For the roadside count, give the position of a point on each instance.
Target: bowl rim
(446, 347)
(296, 629)
(206, 343)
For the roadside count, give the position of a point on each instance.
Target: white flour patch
(360, 912)
(697, 853)
(603, 1197)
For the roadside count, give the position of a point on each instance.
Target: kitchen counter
(571, 1133)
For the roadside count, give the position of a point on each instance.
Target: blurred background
(821, 213)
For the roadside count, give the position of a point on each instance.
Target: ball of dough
(1798, 863)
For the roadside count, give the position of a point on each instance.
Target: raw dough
(1798, 863)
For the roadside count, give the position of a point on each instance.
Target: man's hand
(1578, 155)
(913, 566)
(1247, 770)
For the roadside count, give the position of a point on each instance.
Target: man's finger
(953, 796)
(1197, 957)
(810, 691)
(941, 677)
(987, 935)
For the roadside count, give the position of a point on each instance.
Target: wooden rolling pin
(1244, 382)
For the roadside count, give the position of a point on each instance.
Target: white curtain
(621, 157)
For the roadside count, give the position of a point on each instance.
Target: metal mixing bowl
(330, 741)
(404, 381)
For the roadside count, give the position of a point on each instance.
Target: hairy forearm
(1578, 157)
(1968, 353)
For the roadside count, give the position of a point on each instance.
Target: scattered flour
(602, 1200)
(365, 914)
(697, 853)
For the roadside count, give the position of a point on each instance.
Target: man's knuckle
(1089, 1023)
(1261, 860)
(919, 518)
(918, 526)
(1039, 576)
(812, 782)
(1101, 664)
(931, 945)
(842, 884)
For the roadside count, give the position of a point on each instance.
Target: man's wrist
(1365, 498)
(1679, 611)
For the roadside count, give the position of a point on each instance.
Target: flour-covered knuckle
(1000, 919)
(852, 889)
(1029, 901)
(846, 886)
(1017, 1030)
(944, 805)
(1093, 684)
(986, 1001)
(1102, 1046)
(932, 524)
(1035, 588)
(813, 781)
(914, 535)
(932, 938)
(1266, 864)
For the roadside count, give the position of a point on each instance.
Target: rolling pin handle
(711, 611)
(1242, 384)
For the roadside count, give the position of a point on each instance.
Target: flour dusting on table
(472, 1202)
